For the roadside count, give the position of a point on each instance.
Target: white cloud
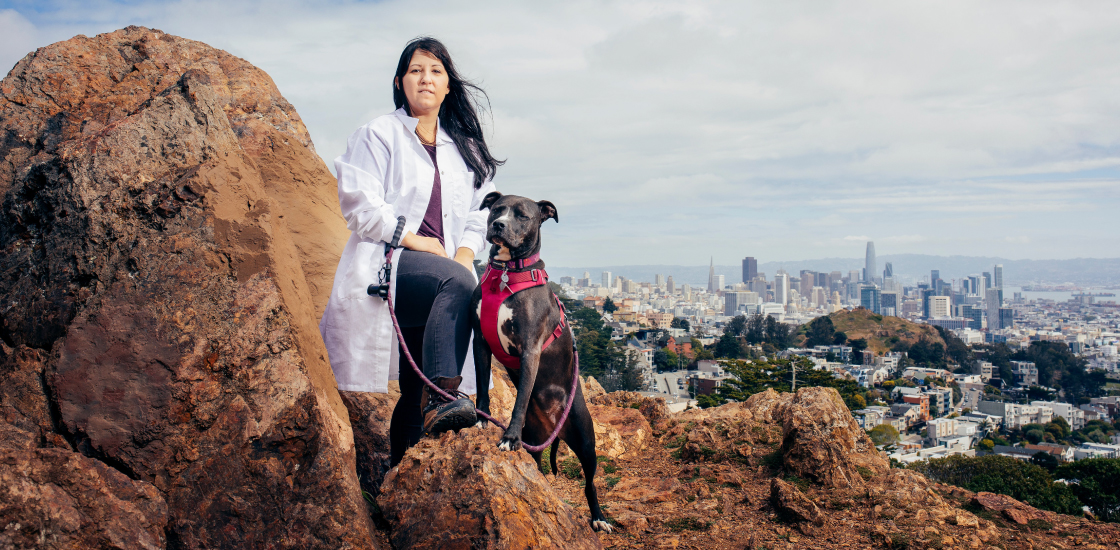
(678, 130)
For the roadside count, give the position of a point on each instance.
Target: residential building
(921, 401)
(939, 307)
(1015, 415)
(1026, 373)
(1096, 450)
(1073, 416)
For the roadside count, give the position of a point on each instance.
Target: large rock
(1012, 509)
(460, 491)
(653, 408)
(370, 415)
(619, 432)
(727, 432)
(822, 441)
(168, 235)
(55, 498)
(793, 504)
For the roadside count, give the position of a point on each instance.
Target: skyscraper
(719, 283)
(669, 284)
(994, 301)
(750, 269)
(659, 280)
(998, 273)
(869, 263)
(712, 275)
(888, 270)
(608, 278)
(869, 298)
(781, 287)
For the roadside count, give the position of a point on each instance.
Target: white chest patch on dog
(478, 310)
(505, 315)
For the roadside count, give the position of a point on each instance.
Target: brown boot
(440, 414)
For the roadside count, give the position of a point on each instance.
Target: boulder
(591, 388)
(460, 491)
(646, 490)
(619, 433)
(727, 432)
(653, 408)
(370, 414)
(169, 233)
(24, 407)
(822, 441)
(56, 498)
(790, 502)
(1012, 509)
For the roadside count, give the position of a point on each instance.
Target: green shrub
(571, 468)
(1096, 482)
(1003, 475)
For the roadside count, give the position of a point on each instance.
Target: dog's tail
(552, 454)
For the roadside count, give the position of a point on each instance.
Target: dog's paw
(509, 444)
(600, 525)
(480, 424)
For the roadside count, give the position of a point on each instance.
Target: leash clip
(505, 280)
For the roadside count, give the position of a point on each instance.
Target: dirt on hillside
(881, 331)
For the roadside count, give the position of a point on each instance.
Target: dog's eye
(522, 217)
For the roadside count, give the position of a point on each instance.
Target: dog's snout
(498, 225)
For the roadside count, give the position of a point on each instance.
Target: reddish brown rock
(460, 491)
(653, 408)
(1012, 509)
(23, 400)
(619, 433)
(791, 502)
(645, 490)
(166, 231)
(727, 432)
(822, 441)
(55, 498)
(370, 414)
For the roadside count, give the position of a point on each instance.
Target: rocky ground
(779, 471)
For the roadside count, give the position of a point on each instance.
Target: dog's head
(514, 224)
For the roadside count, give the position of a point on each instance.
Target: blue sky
(668, 132)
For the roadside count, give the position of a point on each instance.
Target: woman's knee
(460, 283)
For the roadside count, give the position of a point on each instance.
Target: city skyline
(596, 108)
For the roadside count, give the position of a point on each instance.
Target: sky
(675, 132)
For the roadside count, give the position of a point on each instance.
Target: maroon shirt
(432, 225)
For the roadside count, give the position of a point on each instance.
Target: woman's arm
(474, 234)
(362, 173)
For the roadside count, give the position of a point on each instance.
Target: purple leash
(420, 373)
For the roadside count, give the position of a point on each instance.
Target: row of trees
(751, 377)
(599, 356)
(1093, 482)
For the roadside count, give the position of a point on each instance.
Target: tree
(737, 326)
(884, 434)
(855, 402)
(679, 322)
(608, 306)
(821, 332)
(858, 345)
(1045, 461)
(1096, 482)
(729, 347)
(986, 445)
(839, 338)
(1004, 475)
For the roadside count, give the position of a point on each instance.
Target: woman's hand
(423, 244)
(465, 256)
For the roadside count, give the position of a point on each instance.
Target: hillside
(880, 331)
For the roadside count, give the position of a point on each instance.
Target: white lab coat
(386, 173)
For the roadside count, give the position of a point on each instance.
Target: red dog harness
(497, 285)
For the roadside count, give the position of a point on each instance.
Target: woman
(428, 162)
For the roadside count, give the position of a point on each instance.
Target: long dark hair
(458, 115)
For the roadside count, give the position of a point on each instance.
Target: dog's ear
(548, 210)
(489, 200)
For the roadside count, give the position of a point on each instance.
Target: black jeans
(432, 303)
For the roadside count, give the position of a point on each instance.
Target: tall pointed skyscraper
(869, 263)
(712, 275)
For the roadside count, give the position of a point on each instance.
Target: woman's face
(425, 84)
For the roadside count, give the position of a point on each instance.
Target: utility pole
(793, 370)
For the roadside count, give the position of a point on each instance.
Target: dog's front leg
(511, 439)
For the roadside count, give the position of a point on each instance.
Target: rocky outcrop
(822, 441)
(794, 505)
(168, 238)
(619, 432)
(370, 414)
(1012, 509)
(729, 432)
(460, 491)
(653, 408)
(55, 498)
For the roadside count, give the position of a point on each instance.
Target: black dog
(526, 320)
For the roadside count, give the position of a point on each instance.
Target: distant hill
(908, 267)
(880, 331)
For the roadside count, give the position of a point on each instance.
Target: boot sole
(456, 419)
